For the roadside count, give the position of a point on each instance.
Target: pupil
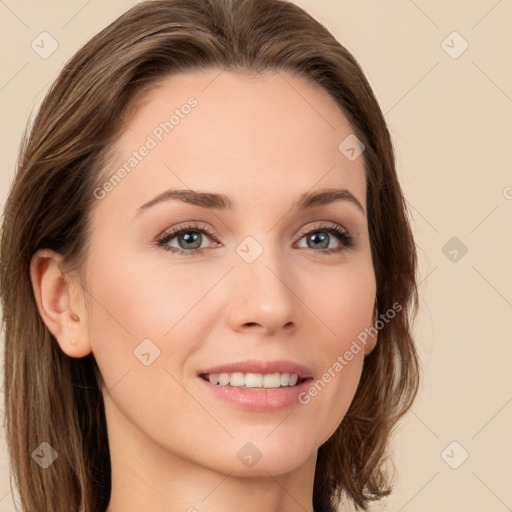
(323, 239)
(189, 238)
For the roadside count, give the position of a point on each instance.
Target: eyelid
(201, 226)
(321, 224)
(192, 226)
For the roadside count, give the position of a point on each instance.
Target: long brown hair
(50, 397)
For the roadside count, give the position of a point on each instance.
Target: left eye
(192, 237)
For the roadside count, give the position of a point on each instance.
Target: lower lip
(259, 399)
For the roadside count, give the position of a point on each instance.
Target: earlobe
(58, 300)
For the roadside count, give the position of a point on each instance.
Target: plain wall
(450, 117)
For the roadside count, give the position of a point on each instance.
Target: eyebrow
(223, 202)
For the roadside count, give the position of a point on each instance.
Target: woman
(264, 365)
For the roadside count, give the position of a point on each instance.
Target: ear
(372, 338)
(60, 301)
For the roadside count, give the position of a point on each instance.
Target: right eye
(188, 234)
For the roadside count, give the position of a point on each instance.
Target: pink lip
(264, 367)
(258, 399)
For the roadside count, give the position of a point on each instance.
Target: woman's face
(241, 283)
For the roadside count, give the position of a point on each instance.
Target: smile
(252, 380)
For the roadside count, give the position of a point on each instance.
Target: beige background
(451, 121)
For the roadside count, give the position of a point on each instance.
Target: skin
(263, 141)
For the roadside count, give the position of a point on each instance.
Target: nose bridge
(262, 284)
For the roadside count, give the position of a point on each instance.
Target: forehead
(247, 136)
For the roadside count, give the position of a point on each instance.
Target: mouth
(254, 380)
(257, 386)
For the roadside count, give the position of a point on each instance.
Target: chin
(261, 455)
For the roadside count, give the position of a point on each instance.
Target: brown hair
(50, 396)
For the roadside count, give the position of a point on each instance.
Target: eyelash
(333, 229)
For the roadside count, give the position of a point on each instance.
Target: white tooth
(237, 379)
(285, 379)
(272, 380)
(224, 379)
(253, 380)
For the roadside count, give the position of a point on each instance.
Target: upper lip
(259, 366)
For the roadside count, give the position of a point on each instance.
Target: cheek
(133, 302)
(129, 305)
(137, 336)
(344, 306)
(141, 300)
(342, 299)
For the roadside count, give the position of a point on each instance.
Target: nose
(262, 296)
